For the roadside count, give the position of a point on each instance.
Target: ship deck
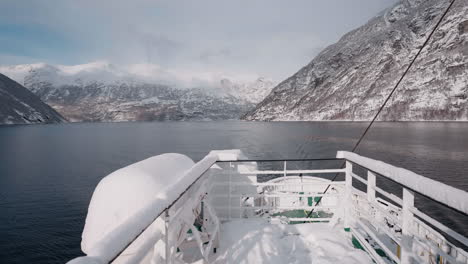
(260, 241)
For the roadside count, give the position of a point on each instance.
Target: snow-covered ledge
(228, 154)
(448, 195)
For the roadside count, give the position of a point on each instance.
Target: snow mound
(123, 193)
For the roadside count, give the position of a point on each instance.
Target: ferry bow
(227, 209)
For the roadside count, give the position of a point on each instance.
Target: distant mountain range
(350, 79)
(101, 91)
(20, 106)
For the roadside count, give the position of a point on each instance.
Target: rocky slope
(104, 92)
(350, 79)
(20, 106)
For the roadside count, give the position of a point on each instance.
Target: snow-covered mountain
(350, 79)
(20, 106)
(100, 91)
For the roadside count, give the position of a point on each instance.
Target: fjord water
(48, 172)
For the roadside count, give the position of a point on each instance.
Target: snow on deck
(259, 241)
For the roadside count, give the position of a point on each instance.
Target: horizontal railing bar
(359, 178)
(387, 203)
(444, 255)
(277, 207)
(439, 237)
(422, 194)
(413, 182)
(440, 226)
(429, 229)
(288, 219)
(369, 248)
(261, 172)
(379, 242)
(277, 195)
(390, 196)
(434, 243)
(382, 211)
(386, 230)
(279, 184)
(307, 219)
(279, 160)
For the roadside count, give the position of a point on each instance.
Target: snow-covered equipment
(227, 209)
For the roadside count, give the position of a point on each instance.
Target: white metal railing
(236, 192)
(412, 233)
(161, 227)
(224, 190)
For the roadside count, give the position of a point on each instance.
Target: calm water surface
(48, 172)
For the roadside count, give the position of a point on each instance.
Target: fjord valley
(217, 131)
(346, 81)
(102, 92)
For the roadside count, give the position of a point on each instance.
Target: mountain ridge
(349, 79)
(20, 106)
(100, 91)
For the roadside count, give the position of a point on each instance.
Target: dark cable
(389, 95)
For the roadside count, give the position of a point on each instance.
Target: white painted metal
(306, 194)
(359, 178)
(303, 219)
(277, 172)
(440, 226)
(281, 184)
(283, 207)
(373, 235)
(230, 190)
(285, 172)
(406, 228)
(431, 241)
(360, 237)
(347, 196)
(167, 255)
(371, 184)
(445, 194)
(390, 196)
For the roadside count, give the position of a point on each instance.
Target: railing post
(406, 227)
(166, 237)
(347, 199)
(229, 191)
(284, 169)
(371, 183)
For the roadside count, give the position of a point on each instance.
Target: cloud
(211, 55)
(267, 37)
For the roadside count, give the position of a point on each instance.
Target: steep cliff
(20, 106)
(350, 79)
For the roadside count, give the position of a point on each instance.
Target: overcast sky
(272, 38)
